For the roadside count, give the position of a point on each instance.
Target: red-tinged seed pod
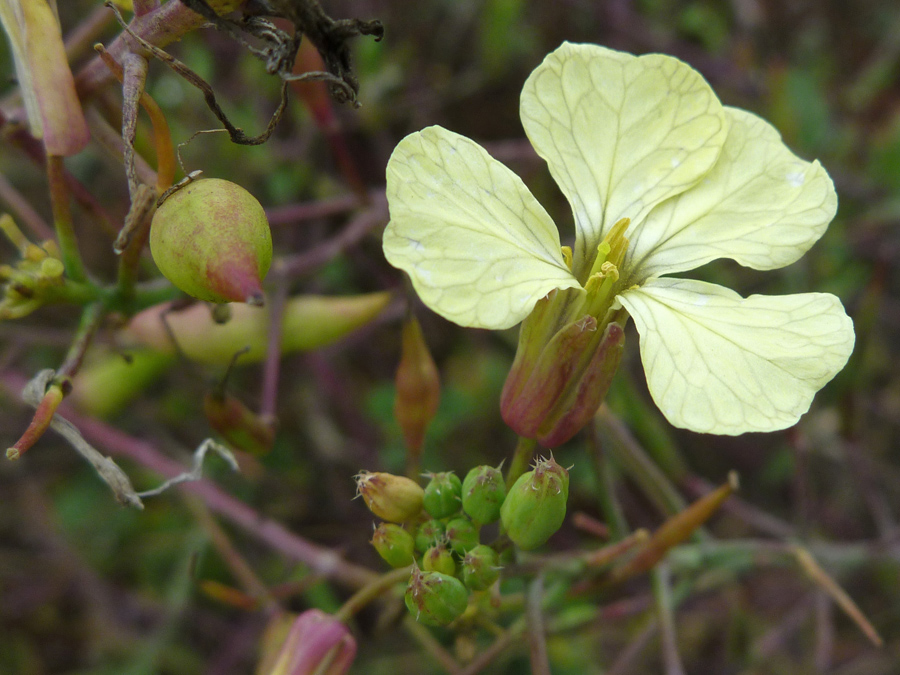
(442, 494)
(391, 498)
(211, 239)
(435, 599)
(241, 428)
(439, 559)
(535, 506)
(480, 568)
(418, 387)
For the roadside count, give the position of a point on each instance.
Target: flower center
(604, 273)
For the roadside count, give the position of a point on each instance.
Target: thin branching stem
(62, 219)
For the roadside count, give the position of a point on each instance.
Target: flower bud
(442, 494)
(315, 643)
(462, 535)
(479, 568)
(439, 559)
(483, 491)
(435, 599)
(241, 428)
(428, 534)
(418, 387)
(211, 239)
(536, 504)
(394, 544)
(391, 498)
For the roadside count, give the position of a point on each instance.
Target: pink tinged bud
(418, 387)
(211, 239)
(48, 88)
(316, 643)
(552, 395)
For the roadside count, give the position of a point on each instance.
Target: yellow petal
(718, 363)
(620, 133)
(761, 205)
(478, 247)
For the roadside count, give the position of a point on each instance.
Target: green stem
(638, 465)
(612, 511)
(91, 318)
(522, 456)
(370, 591)
(62, 218)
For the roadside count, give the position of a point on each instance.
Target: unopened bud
(480, 569)
(241, 428)
(391, 498)
(536, 504)
(483, 492)
(428, 534)
(462, 535)
(418, 387)
(315, 643)
(394, 544)
(442, 494)
(439, 559)
(211, 239)
(435, 599)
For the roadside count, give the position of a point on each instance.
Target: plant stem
(522, 456)
(91, 318)
(665, 611)
(62, 218)
(606, 493)
(370, 592)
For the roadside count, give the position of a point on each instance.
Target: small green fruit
(483, 492)
(442, 494)
(536, 504)
(435, 599)
(439, 559)
(394, 544)
(479, 568)
(462, 535)
(211, 239)
(429, 533)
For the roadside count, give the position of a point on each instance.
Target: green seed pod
(392, 498)
(536, 504)
(463, 535)
(480, 569)
(439, 559)
(442, 494)
(430, 532)
(211, 239)
(435, 599)
(483, 491)
(394, 544)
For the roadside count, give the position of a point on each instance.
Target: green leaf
(718, 363)
(761, 205)
(620, 133)
(480, 250)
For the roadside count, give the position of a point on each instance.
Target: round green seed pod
(483, 492)
(536, 504)
(435, 599)
(439, 559)
(442, 494)
(428, 534)
(462, 535)
(211, 239)
(394, 544)
(480, 568)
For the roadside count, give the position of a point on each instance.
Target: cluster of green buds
(437, 529)
(31, 281)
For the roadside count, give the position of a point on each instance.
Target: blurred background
(87, 586)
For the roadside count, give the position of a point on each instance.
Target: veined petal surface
(761, 205)
(480, 250)
(620, 133)
(718, 363)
